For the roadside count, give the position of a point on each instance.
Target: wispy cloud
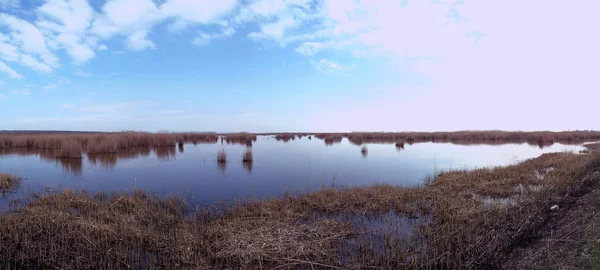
(9, 71)
(110, 108)
(82, 73)
(22, 91)
(328, 66)
(49, 86)
(3, 96)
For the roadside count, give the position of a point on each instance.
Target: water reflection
(299, 166)
(180, 146)
(222, 166)
(165, 153)
(248, 166)
(73, 166)
(110, 160)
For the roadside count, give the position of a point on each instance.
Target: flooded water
(296, 166)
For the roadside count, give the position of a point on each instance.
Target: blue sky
(298, 65)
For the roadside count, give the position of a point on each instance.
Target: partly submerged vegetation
(8, 182)
(486, 218)
(74, 145)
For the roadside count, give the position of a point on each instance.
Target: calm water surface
(297, 166)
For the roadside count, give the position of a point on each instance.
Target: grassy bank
(462, 219)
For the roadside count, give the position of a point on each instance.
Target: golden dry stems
(8, 182)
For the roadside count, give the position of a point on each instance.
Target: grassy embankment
(482, 218)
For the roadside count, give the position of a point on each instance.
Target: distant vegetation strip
(75, 144)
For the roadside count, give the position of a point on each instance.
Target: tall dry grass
(96, 143)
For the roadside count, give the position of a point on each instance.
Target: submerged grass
(8, 182)
(461, 220)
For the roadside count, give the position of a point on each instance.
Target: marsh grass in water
(8, 182)
(460, 220)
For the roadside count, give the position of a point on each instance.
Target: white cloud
(66, 24)
(194, 11)
(81, 73)
(138, 41)
(27, 37)
(101, 48)
(328, 66)
(23, 91)
(205, 38)
(8, 70)
(33, 63)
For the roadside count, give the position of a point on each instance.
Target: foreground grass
(463, 219)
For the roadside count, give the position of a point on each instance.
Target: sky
(299, 65)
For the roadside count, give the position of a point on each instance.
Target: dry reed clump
(222, 156)
(243, 138)
(286, 137)
(330, 138)
(8, 182)
(364, 149)
(70, 149)
(247, 156)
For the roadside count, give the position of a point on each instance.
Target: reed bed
(462, 219)
(535, 138)
(243, 138)
(330, 139)
(73, 145)
(286, 137)
(8, 182)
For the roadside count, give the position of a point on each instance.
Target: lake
(296, 166)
